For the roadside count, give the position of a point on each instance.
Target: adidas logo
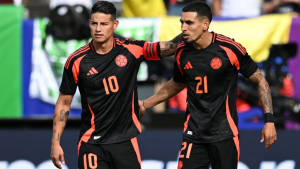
(92, 71)
(188, 65)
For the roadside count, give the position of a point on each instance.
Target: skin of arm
(216, 7)
(167, 48)
(269, 7)
(61, 114)
(269, 131)
(170, 89)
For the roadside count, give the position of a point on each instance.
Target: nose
(98, 28)
(183, 27)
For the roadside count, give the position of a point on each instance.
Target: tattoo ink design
(57, 139)
(263, 91)
(61, 116)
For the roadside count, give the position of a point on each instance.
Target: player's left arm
(250, 70)
(167, 48)
(269, 131)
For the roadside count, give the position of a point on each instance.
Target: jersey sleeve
(178, 75)
(143, 50)
(247, 66)
(151, 51)
(68, 84)
(239, 58)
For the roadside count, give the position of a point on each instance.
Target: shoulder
(129, 42)
(226, 42)
(180, 47)
(78, 53)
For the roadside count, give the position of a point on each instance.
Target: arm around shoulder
(168, 48)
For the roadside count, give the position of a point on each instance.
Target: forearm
(269, 7)
(169, 90)
(216, 7)
(167, 48)
(264, 92)
(265, 98)
(61, 114)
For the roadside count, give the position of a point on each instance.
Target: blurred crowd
(220, 8)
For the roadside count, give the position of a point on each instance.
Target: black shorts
(124, 155)
(220, 155)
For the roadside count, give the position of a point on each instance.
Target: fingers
(56, 162)
(62, 159)
(262, 138)
(140, 103)
(268, 145)
(269, 142)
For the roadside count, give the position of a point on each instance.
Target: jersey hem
(66, 92)
(115, 142)
(207, 141)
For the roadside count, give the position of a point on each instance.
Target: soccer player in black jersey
(208, 64)
(105, 71)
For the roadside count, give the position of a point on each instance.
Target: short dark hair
(201, 8)
(106, 8)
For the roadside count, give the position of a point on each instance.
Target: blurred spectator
(236, 8)
(281, 6)
(175, 6)
(54, 3)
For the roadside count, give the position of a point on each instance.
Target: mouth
(185, 36)
(99, 35)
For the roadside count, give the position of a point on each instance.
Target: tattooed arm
(61, 114)
(167, 48)
(269, 131)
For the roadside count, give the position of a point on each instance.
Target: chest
(208, 62)
(103, 70)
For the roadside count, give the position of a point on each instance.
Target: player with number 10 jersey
(107, 84)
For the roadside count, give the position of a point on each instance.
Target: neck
(203, 41)
(104, 47)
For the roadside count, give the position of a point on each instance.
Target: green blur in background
(10, 61)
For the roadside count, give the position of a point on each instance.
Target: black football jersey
(108, 89)
(211, 77)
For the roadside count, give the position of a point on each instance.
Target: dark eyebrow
(187, 21)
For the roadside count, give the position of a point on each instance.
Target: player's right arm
(61, 114)
(62, 108)
(168, 48)
(170, 89)
(216, 7)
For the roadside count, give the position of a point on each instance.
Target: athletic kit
(110, 110)
(210, 131)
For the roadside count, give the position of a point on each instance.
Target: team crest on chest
(216, 63)
(121, 60)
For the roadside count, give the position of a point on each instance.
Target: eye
(189, 22)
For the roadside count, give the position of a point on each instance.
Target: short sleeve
(68, 84)
(142, 50)
(247, 66)
(151, 51)
(239, 58)
(178, 75)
